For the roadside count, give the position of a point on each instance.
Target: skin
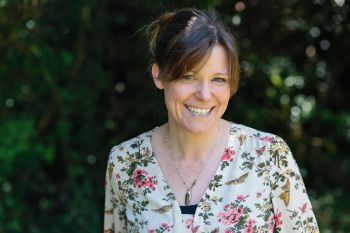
(208, 88)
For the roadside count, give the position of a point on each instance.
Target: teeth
(199, 111)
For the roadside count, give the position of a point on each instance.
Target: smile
(199, 111)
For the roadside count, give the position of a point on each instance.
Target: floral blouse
(257, 187)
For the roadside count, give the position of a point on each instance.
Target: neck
(190, 145)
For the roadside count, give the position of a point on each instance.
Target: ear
(155, 73)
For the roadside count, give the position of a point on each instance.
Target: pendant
(188, 197)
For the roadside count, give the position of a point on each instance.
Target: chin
(200, 127)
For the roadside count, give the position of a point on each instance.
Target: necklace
(188, 195)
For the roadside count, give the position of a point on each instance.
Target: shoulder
(252, 134)
(132, 147)
(254, 139)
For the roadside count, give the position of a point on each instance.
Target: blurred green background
(74, 82)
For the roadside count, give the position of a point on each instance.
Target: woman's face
(198, 100)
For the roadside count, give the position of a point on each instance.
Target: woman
(198, 172)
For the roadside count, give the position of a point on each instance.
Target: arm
(291, 205)
(114, 212)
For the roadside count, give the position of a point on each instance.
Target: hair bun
(154, 29)
(166, 18)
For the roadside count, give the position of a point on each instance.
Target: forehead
(216, 62)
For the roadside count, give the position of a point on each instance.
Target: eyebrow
(221, 74)
(193, 73)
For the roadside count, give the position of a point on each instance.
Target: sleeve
(291, 205)
(114, 211)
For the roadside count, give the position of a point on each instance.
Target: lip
(192, 106)
(187, 107)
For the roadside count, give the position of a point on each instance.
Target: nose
(203, 92)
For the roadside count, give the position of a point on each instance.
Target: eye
(188, 77)
(219, 79)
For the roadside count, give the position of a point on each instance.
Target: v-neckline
(160, 170)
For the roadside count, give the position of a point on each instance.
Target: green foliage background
(74, 82)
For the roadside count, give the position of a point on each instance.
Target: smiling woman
(199, 172)
(196, 101)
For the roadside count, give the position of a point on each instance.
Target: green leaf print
(216, 182)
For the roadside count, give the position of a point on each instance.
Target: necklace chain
(188, 195)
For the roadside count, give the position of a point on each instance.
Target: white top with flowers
(257, 188)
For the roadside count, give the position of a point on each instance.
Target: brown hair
(181, 41)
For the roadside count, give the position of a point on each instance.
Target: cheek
(175, 94)
(172, 98)
(224, 94)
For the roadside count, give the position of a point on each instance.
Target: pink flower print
(189, 223)
(241, 197)
(277, 217)
(223, 218)
(227, 231)
(230, 215)
(250, 222)
(249, 226)
(275, 220)
(266, 138)
(228, 154)
(165, 226)
(195, 229)
(142, 183)
(260, 151)
(117, 176)
(151, 182)
(140, 179)
(138, 172)
(238, 213)
(151, 231)
(226, 206)
(248, 229)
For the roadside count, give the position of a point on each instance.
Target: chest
(190, 177)
(226, 205)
